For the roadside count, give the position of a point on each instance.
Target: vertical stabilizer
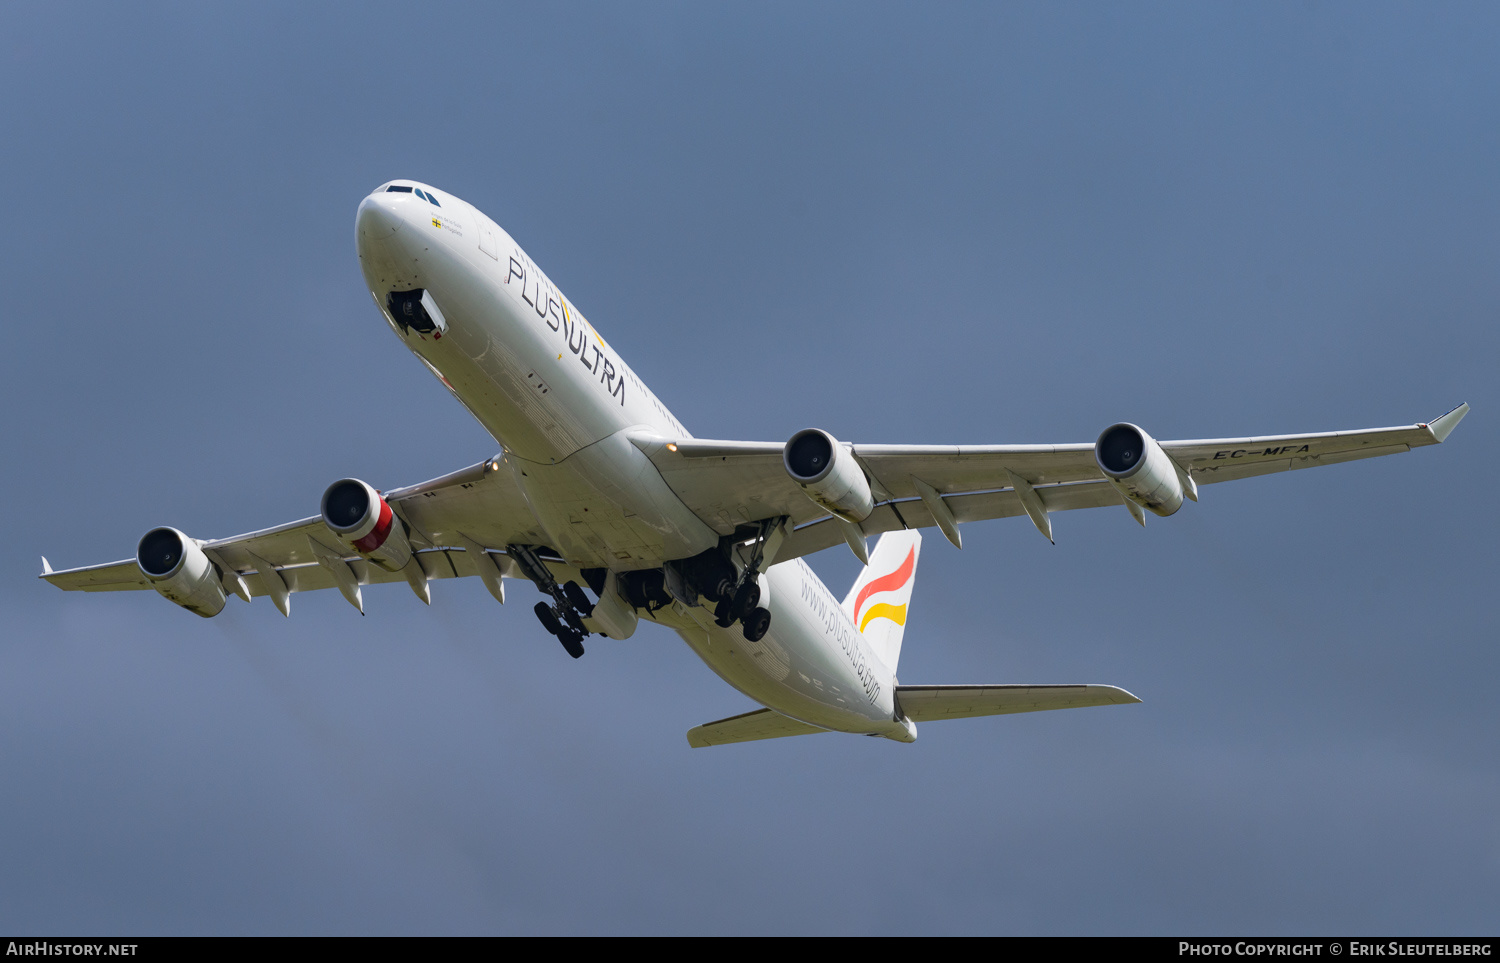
(881, 597)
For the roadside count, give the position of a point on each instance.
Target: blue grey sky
(1002, 223)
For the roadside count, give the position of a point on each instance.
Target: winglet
(46, 566)
(1444, 425)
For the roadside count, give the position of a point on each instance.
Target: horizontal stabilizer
(927, 703)
(752, 726)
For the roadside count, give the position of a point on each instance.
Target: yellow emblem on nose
(436, 222)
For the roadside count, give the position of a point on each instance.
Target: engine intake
(180, 571)
(357, 516)
(1138, 467)
(828, 474)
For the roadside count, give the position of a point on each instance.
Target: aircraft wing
(728, 483)
(475, 506)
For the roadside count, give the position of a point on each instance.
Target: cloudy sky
(915, 223)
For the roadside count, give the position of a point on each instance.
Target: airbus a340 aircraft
(598, 485)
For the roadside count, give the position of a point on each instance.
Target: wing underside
(436, 563)
(729, 483)
(476, 508)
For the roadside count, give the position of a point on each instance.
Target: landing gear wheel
(745, 600)
(572, 642)
(570, 616)
(578, 600)
(756, 624)
(571, 638)
(724, 614)
(548, 619)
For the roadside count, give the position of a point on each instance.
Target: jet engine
(828, 474)
(357, 515)
(1139, 468)
(180, 571)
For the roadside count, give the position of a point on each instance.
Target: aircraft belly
(795, 668)
(607, 506)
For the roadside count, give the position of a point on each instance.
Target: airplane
(597, 484)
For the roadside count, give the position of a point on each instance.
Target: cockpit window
(408, 189)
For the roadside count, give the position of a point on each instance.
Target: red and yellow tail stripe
(886, 583)
(884, 610)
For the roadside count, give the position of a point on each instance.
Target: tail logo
(886, 583)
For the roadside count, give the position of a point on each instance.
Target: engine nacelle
(828, 474)
(1139, 468)
(357, 516)
(180, 571)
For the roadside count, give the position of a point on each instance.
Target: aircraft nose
(379, 216)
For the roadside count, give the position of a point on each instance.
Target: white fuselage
(571, 417)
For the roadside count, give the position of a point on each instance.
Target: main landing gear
(741, 603)
(564, 618)
(727, 576)
(707, 578)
